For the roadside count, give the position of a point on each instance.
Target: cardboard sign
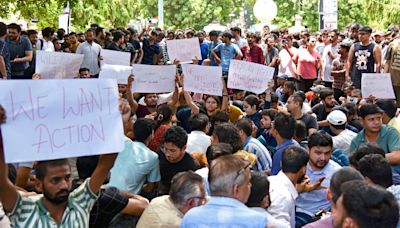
(377, 85)
(115, 57)
(184, 50)
(57, 65)
(203, 79)
(153, 79)
(52, 119)
(118, 72)
(249, 76)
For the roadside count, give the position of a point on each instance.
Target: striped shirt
(32, 213)
(264, 160)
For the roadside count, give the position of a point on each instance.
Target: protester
(229, 178)
(91, 54)
(340, 177)
(283, 191)
(363, 56)
(5, 65)
(356, 207)
(320, 169)
(186, 192)
(337, 124)
(252, 145)
(20, 52)
(173, 157)
(59, 204)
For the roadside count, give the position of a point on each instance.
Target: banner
(118, 72)
(184, 50)
(153, 79)
(202, 79)
(377, 85)
(57, 65)
(115, 57)
(249, 76)
(52, 119)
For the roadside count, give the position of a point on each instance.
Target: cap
(346, 43)
(317, 88)
(379, 33)
(337, 117)
(282, 76)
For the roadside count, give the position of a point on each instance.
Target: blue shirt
(211, 46)
(311, 202)
(276, 160)
(227, 53)
(135, 165)
(223, 212)
(6, 56)
(17, 50)
(203, 51)
(255, 147)
(149, 50)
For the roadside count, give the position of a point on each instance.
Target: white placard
(58, 65)
(184, 50)
(249, 76)
(377, 85)
(51, 119)
(153, 79)
(118, 72)
(116, 57)
(202, 79)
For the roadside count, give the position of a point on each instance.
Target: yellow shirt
(234, 113)
(73, 47)
(395, 124)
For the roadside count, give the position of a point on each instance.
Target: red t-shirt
(306, 64)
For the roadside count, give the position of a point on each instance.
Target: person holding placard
(226, 51)
(58, 206)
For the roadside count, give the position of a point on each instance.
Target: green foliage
(196, 13)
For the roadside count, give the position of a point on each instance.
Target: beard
(58, 198)
(301, 179)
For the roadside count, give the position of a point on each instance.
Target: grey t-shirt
(17, 50)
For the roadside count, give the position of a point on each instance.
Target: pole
(161, 14)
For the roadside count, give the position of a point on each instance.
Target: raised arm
(195, 109)
(8, 193)
(129, 95)
(100, 174)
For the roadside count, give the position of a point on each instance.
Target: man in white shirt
(337, 123)
(198, 140)
(91, 52)
(328, 55)
(283, 191)
(47, 34)
(286, 65)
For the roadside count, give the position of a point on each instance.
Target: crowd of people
(311, 151)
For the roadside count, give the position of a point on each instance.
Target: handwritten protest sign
(51, 119)
(116, 57)
(377, 85)
(249, 76)
(184, 50)
(57, 65)
(153, 79)
(121, 73)
(202, 79)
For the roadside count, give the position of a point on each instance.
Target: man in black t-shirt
(325, 107)
(173, 157)
(294, 106)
